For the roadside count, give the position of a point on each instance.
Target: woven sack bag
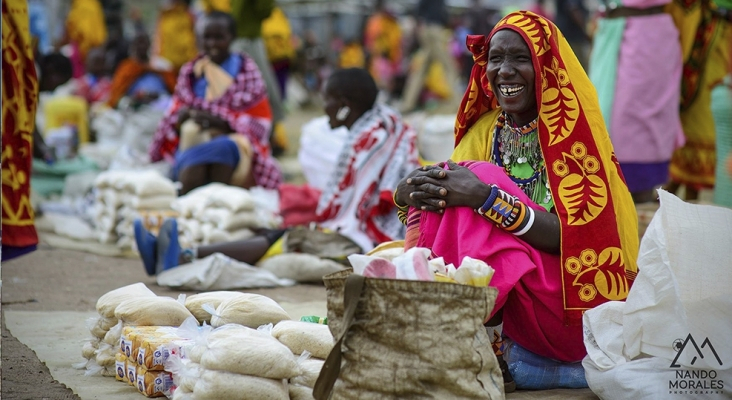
(400, 339)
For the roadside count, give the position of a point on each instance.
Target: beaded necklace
(520, 145)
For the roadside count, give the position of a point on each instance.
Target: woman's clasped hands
(437, 187)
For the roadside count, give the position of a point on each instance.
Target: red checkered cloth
(244, 106)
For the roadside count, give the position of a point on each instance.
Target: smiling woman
(536, 193)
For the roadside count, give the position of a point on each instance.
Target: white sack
(219, 272)
(195, 303)
(152, 311)
(300, 337)
(110, 300)
(248, 309)
(300, 267)
(215, 385)
(637, 348)
(249, 352)
(231, 198)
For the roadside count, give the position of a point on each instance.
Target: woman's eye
(495, 59)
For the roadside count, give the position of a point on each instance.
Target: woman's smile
(511, 90)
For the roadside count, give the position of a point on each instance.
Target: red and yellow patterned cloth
(19, 98)
(599, 226)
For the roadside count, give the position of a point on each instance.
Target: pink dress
(529, 281)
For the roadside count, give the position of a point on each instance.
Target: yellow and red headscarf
(599, 224)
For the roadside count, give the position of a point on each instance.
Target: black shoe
(509, 385)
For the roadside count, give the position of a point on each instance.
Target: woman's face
(511, 75)
(216, 40)
(332, 105)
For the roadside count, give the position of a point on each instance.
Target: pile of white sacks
(121, 197)
(218, 213)
(132, 305)
(241, 356)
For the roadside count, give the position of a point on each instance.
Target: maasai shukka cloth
(378, 152)
(127, 74)
(599, 226)
(19, 100)
(705, 39)
(243, 105)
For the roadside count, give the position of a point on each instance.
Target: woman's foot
(147, 247)
(168, 248)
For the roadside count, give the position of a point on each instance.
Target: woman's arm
(437, 189)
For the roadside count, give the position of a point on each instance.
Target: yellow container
(68, 110)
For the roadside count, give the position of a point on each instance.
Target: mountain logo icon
(689, 344)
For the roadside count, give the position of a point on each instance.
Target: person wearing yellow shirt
(175, 39)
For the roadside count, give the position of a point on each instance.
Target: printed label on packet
(127, 347)
(161, 354)
(119, 367)
(131, 373)
(141, 356)
(163, 383)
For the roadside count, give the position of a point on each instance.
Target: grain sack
(106, 355)
(251, 310)
(305, 336)
(109, 301)
(106, 324)
(231, 198)
(216, 216)
(158, 202)
(180, 394)
(120, 367)
(149, 311)
(149, 183)
(241, 220)
(310, 370)
(298, 392)
(195, 303)
(90, 347)
(95, 329)
(113, 336)
(153, 383)
(248, 352)
(215, 385)
(300, 267)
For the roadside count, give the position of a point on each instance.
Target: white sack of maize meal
(300, 337)
(248, 309)
(152, 311)
(216, 385)
(109, 301)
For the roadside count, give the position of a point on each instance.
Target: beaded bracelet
(507, 211)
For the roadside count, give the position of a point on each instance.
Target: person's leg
(220, 173)
(193, 177)
(248, 251)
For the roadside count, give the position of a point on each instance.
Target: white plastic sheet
(219, 272)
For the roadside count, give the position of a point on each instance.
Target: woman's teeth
(510, 90)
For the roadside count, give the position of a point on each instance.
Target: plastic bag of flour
(310, 370)
(181, 394)
(95, 329)
(150, 311)
(106, 355)
(185, 372)
(299, 392)
(194, 303)
(300, 267)
(216, 385)
(231, 198)
(300, 337)
(196, 336)
(251, 310)
(113, 336)
(246, 351)
(109, 301)
(88, 351)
